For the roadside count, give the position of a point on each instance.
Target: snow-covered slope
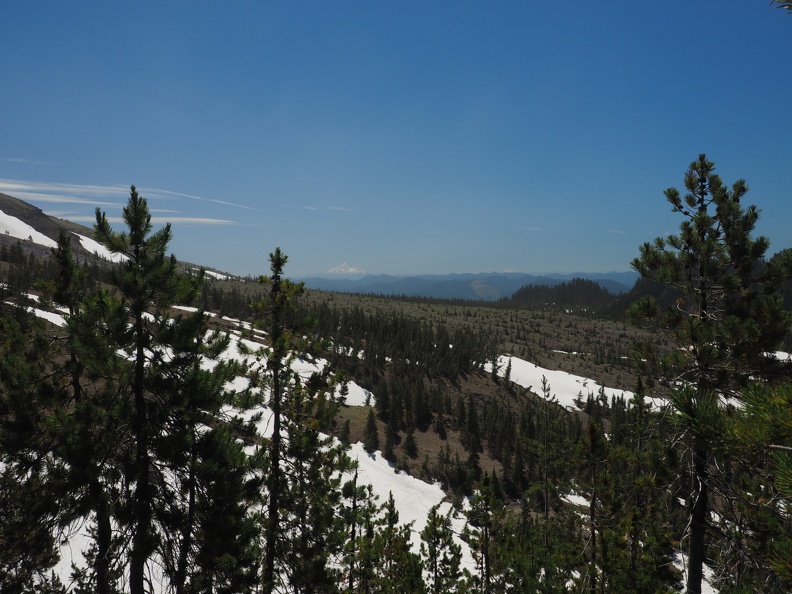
(97, 248)
(564, 387)
(14, 227)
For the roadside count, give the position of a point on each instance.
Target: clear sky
(400, 137)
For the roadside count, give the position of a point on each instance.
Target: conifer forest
(164, 431)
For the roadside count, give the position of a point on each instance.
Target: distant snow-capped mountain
(345, 269)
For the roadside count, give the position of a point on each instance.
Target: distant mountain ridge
(484, 286)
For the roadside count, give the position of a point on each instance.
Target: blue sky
(400, 137)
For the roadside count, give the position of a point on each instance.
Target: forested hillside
(192, 434)
(578, 294)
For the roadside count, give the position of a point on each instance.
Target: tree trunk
(273, 485)
(186, 545)
(698, 522)
(103, 537)
(142, 512)
(593, 524)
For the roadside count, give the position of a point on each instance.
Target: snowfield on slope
(97, 248)
(16, 228)
(564, 387)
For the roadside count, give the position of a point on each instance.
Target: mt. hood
(345, 269)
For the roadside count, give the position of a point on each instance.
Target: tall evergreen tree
(89, 431)
(65, 425)
(726, 315)
(396, 567)
(29, 505)
(171, 461)
(303, 468)
(440, 554)
(371, 433)
(148, 279)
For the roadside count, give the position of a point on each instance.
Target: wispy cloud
(194, 220)
(88, 193)
(617, 231)
(59, 189)
(60, 199)
(26, 161)
(161, 220)
(163, 193)
(333, 208)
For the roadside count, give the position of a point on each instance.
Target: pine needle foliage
(728, 313)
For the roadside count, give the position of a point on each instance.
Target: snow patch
(357, 395)
(16, 228)
(413, 498)
(575, 499)
(564, 387)
(98, 249)
(51, 317)
(680, 562)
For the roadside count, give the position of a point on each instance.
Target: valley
(544, 417)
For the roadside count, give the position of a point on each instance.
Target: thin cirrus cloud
(23, 161)
(334, 208)
(192, 197)
(59, 199)
(72, 193)
(106, 196)
(160, 220)
(67, 191)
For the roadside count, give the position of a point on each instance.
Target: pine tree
(179, 448)
(485, 523)
(147, 279)
(359, 557)
(390, 439)
(640, 472)
(67, 422)
(507, 375)
(343, 436)
(208, 535)
(303, 526)
(370, 433)
(410, 445)
(727, 314)
(396, 568)
(29, 503)
(88, 433)
(596, 453)
(440, 554)
(760, 436)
